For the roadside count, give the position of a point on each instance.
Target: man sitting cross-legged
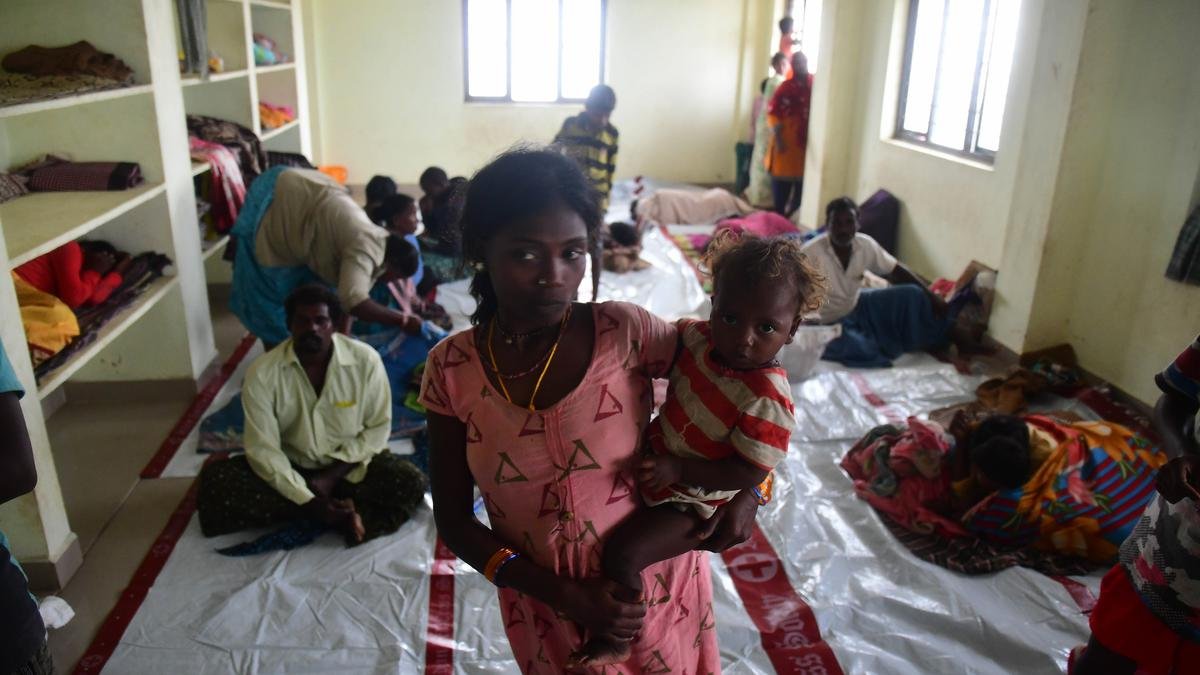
(318, 414)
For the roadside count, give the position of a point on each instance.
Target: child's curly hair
(761, 260)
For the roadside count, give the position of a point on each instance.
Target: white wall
(1097, 169)
(389, 81)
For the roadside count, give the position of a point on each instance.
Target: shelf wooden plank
(192, 81)
(111, 330)
(278, 67)
(199, 168)
(272, 3)
(272, 133)
(40, 222)
(69, 101)
(210, 248)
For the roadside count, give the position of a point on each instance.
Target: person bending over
(728, 414)
(299, 226)
(318, 414)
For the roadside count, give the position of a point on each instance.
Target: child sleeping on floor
(728, 414)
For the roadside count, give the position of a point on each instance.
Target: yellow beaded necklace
(562, 327)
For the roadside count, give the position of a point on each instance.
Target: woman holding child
(543, 405)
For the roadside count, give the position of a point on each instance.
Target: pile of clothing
(57, 173)
(274, 116)
(266, 52)
(38, 73)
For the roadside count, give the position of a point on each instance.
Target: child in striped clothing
(728, 414)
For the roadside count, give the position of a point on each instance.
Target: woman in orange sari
(787, 116)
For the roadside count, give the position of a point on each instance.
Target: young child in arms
(728, 414)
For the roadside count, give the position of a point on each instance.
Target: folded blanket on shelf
(49, 323)
(80, 58)
(144, 269)
(227, 190)
(274, 116)
(16, 88)
(83, 176)
(12, 186)
(245, 144)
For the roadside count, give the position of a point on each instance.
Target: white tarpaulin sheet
(324, 608)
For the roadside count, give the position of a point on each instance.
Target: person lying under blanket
(686, 207)
(1068, 488)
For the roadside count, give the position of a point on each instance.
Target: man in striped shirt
(591, 140)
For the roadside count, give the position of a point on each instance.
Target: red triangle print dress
(556, 481)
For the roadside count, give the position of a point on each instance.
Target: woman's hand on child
(659, 472)
(594, 604)
(1180, 479)
(730, 525)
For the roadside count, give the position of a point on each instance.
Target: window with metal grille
(533, 51)
(957, 62)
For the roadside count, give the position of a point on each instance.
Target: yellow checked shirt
(288, 424)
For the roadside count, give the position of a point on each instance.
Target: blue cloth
(886, 323)
(259, 291)
(420, 274)
(293, 535)
(8, 378)
(401, 354)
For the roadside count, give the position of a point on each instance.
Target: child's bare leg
(646, 537)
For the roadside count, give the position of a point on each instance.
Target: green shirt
(289, 425)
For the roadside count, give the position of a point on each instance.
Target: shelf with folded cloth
(73, 100)
(193, 80)
(210, 248)
(111, 330)
(278, 67)
(268, 134)
(40, 222)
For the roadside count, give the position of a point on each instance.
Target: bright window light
(554, 49)
(958, 62)
(809, 23)
(580, 47)
(487, 36)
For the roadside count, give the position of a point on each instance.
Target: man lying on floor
(318, 415)
(879, 324)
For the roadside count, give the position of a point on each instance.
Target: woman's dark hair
(313, 294)
(787, 24)
(518, 184)
(385, 210)
(999, 446)
(380, 188)
(97, 246)
(762, 86)
(601, 98)
(399, 254)
(778, 57)
(838, 205)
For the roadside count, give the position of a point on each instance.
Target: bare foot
(599, 651)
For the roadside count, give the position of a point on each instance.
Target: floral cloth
(556, 481)
(1085, 498)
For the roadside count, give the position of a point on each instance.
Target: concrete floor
(117, 518)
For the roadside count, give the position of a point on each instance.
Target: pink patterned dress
(556, 481)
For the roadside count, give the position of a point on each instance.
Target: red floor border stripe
(868, 394)
(790, 635)
(110, 632)
(439, 633)
(191, 417)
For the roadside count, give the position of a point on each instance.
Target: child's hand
(1180, 479)
(659, 472)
